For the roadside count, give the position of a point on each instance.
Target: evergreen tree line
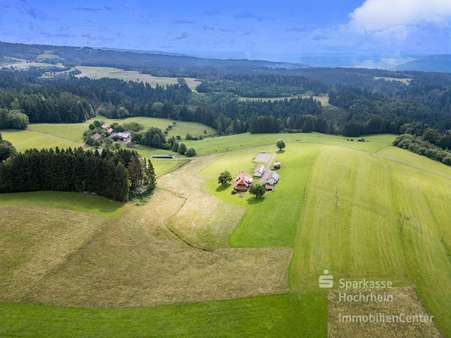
(391, 110)
(438, 138)
(6, 149)
(262, 85)
(47, 106)
(109, 174)
(155, 138)
(419, 145)
(76, 100)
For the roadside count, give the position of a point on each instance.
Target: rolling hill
(359, 209)
(155, 63)
(430, 63)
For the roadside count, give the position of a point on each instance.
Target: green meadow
(358, 209)
(275, 315)
(45, 135)
(242, 141)
(64, 200)
(64, 135)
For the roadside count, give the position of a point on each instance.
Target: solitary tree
(191, 152)
(182, 149)
(281, 145)
(258, 190)
(175, 146)
(225, 178)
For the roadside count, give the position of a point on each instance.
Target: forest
(115, 175)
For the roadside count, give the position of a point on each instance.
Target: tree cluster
(109, 174)
(262, 85)
(420, 146)
(13, 119)
(155, 138)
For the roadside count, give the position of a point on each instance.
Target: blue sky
(277, 30)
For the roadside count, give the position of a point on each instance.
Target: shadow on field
(221, 188)
(253, 200)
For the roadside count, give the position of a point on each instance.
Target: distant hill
(430, 63)
(151, 62)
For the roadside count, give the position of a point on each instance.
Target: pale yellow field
(405, 81)
(323, 99)
(131, 75)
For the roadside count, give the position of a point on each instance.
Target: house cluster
(107, 131)
(267, 177)
(124, 136)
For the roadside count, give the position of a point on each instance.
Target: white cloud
(397, 16)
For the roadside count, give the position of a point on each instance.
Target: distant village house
(125, 137)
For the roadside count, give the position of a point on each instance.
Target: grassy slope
(42, 135)
(365, 215)
(276, 315)
(272, 221)
(63, 200)
(370, 210)
(45, 135)
(256, 316)
(243, 141)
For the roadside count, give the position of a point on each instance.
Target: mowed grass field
(360, 210)
(264, 316)
(131, 75)
(223, 144)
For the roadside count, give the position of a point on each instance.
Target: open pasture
(230, 143)
(361, 210)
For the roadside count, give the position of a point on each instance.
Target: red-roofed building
(242, 182)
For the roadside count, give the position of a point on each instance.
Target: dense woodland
(419, 145)
(111, 174)
(6, 149)
(13, 119)
(263, 85)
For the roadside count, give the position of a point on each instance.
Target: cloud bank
(390, 15)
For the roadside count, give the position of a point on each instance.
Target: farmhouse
(270, 179)
(124, 137)
(242, 182)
